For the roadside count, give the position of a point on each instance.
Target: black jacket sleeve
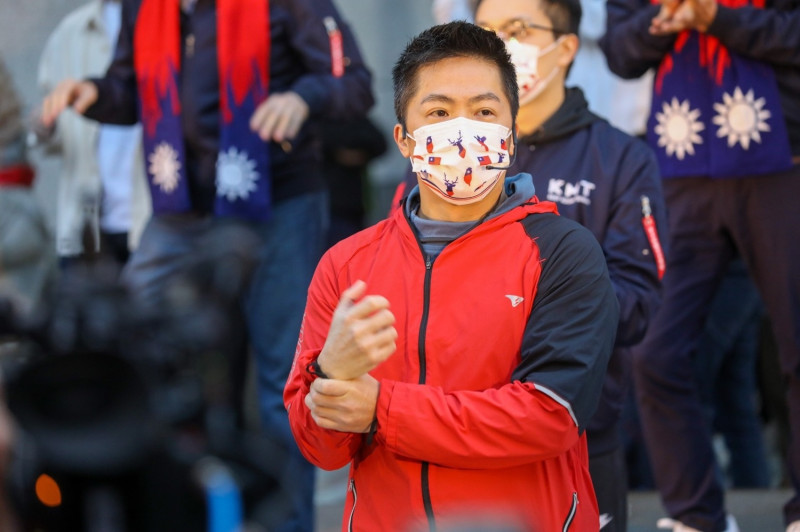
(116, 101)
(327, 95)
(630, 256)
(629, 47)
(770, 35)
(572, 326)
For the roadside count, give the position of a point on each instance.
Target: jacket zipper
(426, 296)
(572, 511)
(353, 509)
(426, 492)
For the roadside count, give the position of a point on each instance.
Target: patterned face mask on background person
(457, 158)
(526, 62)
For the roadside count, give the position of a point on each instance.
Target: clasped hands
(679, 15)
(361, 336)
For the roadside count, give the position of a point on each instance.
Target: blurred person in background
(228, 139)
(601, 177)
(725, 127)
(101, 184)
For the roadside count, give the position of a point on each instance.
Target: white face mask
(456, 158)
(526, 62)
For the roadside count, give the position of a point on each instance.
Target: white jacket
(80, 48)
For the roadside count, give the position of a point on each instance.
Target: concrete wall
(382, 28)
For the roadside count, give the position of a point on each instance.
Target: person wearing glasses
(602, 178)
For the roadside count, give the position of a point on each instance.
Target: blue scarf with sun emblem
(715, 113)
(242, 179)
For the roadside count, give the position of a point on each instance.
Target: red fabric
(485, 459)
(16, 176)
(399, 192)
(157, 58)
(242, 58)
(651, 231)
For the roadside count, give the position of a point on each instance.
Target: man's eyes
(442, 113)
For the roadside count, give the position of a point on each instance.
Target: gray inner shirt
(434, 235)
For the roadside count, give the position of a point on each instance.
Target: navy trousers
(710, 220)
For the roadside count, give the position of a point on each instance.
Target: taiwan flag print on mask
(455, 161)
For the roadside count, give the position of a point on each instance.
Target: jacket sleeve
(326, 94)
(629, 47)
(116, 101)
(553, 391)
(631, 259)
(324, 448)
(768, 35)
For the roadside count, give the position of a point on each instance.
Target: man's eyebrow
(437, 98)
(485, 96)
(446, 99)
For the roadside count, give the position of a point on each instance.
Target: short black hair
(445, 41)
(564, 15)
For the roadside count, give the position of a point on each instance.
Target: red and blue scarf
(716, 113)
(243, 47)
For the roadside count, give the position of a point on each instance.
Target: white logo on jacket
(559, 191)
(515, 300)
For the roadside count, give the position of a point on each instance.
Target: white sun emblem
(165, 167)
(678, 128)
(236, 174)
(741, 118)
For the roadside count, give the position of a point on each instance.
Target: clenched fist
(361, 336)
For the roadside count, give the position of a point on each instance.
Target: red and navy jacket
(503, 343)
(608, 182)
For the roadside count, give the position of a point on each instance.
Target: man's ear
(569, 47)
(404, 144)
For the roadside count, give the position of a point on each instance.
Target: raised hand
(361, 336)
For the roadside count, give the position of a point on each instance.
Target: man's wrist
(314, 368)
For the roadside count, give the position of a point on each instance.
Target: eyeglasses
(518, 29)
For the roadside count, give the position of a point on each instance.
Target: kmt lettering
(560, 191)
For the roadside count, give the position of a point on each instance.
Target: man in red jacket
(453, 353)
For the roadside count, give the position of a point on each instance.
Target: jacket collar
(574, 114)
